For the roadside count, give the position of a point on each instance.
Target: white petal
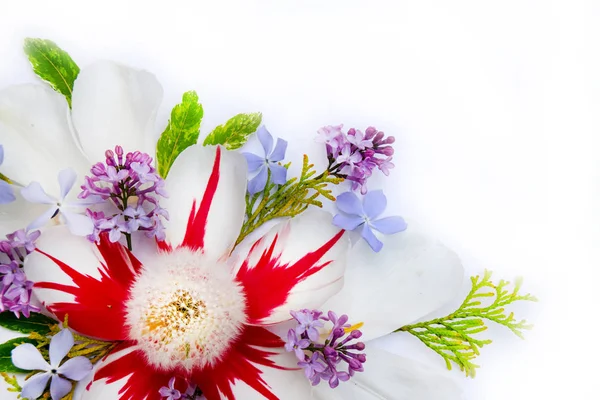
(28, 357)
(36, 136)
(387, 376)
(34, 386)
(285, 384)
(115, 105)
(100, 390)
(410, 277)
(187, 184)
(74, 251)
(296, 238)
(18, 214)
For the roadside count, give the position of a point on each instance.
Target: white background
(495, 107)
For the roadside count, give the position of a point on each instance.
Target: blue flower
(28, 357)
(355, 214)
(268, 162)
(6, 191)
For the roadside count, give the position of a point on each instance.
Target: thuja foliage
(289, 199)
(453, 337)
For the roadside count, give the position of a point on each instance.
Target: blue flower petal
(266, 140)
(371, 239)
(278, 174)
(6, 193)
(254, 161)
(374, 203)
(257, 184)
(279, 153)
(348, 222)
(389, 225)
(349, 203)
(34, 387)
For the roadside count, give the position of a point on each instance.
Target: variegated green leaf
(52, 64)
(183, 131)
(235, 132)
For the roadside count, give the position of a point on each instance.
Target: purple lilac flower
(15, 289)
(354, 155)
(133, 186)
(6, 192)
(335, 359)
(266, 163)
(308, 322)
(355, 214)
(28, 357)
(172, 393)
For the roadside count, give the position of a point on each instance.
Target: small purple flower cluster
(15, 289)
(172, 393)
(132, 184)
(354, 155)
(321, 361)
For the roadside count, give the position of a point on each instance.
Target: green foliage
(452, 336)
(35, 323)
(181, 132)
(6, 349)
(52, 64)
(11, 381)
(287, 200)
(235, 132)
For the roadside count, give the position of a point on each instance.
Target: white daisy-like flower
(188, 307)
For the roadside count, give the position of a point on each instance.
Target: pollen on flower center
(183, 311)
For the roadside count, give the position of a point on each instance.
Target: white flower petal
(27, 356)
(298, 242)
(74, 251)
(410, 277)
(35, 133)
(115, 105)
(285, 384)
(59, 387)
(193, 178)
(387, 376)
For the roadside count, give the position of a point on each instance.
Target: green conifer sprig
(452, 336)
(287, 200)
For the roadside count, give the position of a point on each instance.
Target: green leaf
(35, 323)
(452, 336)
(183, 131)
(52, 64)
(235, 132)
(6, 349)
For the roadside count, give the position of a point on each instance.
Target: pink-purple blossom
(15, 289)
(355, 155)
(132, 185)
(334, 359)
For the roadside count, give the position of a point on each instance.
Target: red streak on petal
(240, 363)
(144, 382)
(99, 307)
(268, 283)
(164, 246)
(196, 227)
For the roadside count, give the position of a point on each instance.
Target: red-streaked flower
(187, 308)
